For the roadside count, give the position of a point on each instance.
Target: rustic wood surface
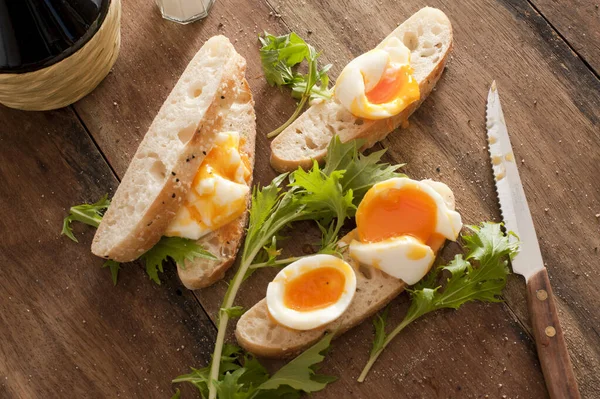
(578, 22)
(67, 330)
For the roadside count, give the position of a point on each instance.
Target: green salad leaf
(242, 376)
(114, 269)
(90, 214)
(279, 55)
(361, 171)
(177, 248)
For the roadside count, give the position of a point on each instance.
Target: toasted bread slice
(428, 35)
(166, 161)
(224, 242)
(259, 334)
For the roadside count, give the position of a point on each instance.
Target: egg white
(216, 199)
(309, 320)
(363, 73)
(396, 257)
(405, 257)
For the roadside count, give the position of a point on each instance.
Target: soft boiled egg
(401, 223)
(218, 194)
(378, 84)
(311, 292)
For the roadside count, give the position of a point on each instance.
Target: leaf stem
(230, 295)
(373, 358)
(94, 221)
(291, 119)
(223, 320)
(277, 262)
(300, 107)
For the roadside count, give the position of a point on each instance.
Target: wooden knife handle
(549, 338)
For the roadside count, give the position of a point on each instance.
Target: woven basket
(67, 81)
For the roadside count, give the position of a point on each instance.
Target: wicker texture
(67, 81)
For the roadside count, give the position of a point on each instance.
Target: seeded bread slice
(428, 35)
(161, 171)
(259, 334)
(224, 243)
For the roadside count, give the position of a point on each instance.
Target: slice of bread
(239, 116)
(259, 334)
(428, 35)
(161, 171)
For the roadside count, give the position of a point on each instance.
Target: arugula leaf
(90, 214)
(380, 336)
(234, 311)
(279, 54)
(114, 269)
(251, 380)
(255, 373)
(478, 276)
(229, 388)
(361, 171)
(177, 248)
(299, 373)
(323, 193)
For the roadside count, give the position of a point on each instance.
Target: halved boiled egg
(219, 191)
(401, 223)
(311, 292)
(378, 84)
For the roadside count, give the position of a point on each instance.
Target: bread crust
(148, 230)
(224, 243)
(286, 155)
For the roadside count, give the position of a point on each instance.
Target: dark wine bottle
(54, 52)
(37, 33)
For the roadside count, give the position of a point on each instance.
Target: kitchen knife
(549, 338)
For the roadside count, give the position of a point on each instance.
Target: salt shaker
(184, 11)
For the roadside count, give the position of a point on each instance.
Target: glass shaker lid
(38, 33)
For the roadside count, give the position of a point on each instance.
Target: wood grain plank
(66, 331)
(578, 22)
(551, 104)
(551, 101)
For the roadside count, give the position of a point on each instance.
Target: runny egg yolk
(394, 212)
(396, 82)
(216, 162)
(315, 289)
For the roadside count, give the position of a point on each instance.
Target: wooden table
(65, 331)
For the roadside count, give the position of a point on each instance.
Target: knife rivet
(542, 295)
(550, 331)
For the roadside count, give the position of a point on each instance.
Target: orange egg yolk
(315, 289)
(396, 212)
(216, 162)
(396, 82)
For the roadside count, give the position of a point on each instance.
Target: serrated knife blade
(549, 337)
(513, 204)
